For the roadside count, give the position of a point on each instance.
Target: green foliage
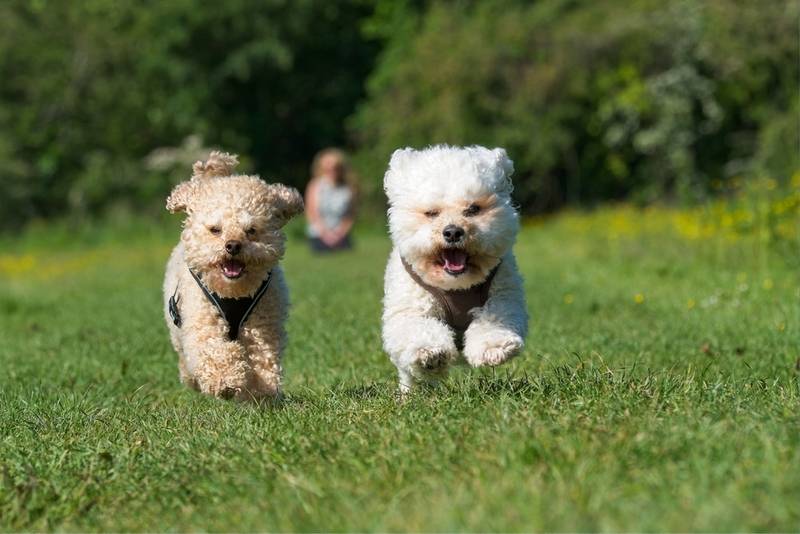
(91, 88)
(658, 392)
(779, 142)
(594, 100)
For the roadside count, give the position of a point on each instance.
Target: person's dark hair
(347, 172)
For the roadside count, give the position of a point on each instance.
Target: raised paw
(495, 354)
(498, 355)
(432, 360)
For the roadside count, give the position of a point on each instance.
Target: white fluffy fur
(445, 181)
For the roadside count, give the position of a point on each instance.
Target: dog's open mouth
(232, 268)
(454, 261)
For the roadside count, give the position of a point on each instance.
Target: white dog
(452, 281)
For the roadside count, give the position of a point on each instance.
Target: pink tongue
(232, 268)
(454, 260)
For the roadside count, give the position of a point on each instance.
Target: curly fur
(217, 164)
(427, 191)
(214, 199)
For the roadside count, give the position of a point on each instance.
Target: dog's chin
(234, 278)
(454, 268)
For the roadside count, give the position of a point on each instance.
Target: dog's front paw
(224, 382)
(492, 353)
(497, 355)
(425, 365)
(432, 359)
(229, 392)
(227, 389)
(265, 382)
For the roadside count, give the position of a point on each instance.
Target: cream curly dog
(225, 298)
(451, 284)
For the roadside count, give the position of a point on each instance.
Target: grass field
(659, 390)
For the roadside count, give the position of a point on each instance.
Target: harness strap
(457, 303)
(173, 308)
(235, 311)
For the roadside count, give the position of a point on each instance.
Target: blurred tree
(90, 88)
(594, 100)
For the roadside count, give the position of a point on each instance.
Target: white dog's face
(450, 212)
(232, 236)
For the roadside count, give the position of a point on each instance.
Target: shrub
(90, 88)
(594, 100)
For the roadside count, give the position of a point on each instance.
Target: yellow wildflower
(796, 179)
(17, 265)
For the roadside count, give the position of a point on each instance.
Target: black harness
(457, 303)
(235, 311)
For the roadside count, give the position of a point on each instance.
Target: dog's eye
(250, 231)
(432, 214)
(214, 230)
(473, 209)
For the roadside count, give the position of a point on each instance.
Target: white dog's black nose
(452, 233)
(233, 247)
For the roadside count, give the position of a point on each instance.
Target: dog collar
(457, 303)
(235, 311)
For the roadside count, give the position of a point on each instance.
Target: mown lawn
(659, 390)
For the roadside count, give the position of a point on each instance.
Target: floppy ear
(285, 202)
(400, 157)
(397, 165)
(503, 161)
(181, 197)
(504, 168)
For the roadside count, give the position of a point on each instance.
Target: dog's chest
(233, 312)
(456, 304)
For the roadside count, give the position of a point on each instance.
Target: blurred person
(330, 202)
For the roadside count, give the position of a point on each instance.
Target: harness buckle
(173, 309)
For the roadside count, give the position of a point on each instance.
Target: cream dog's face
(450, 212)
(232, 235)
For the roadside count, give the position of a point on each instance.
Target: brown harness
(457, 303)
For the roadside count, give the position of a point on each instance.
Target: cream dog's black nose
(233, 247)
(452, 233)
